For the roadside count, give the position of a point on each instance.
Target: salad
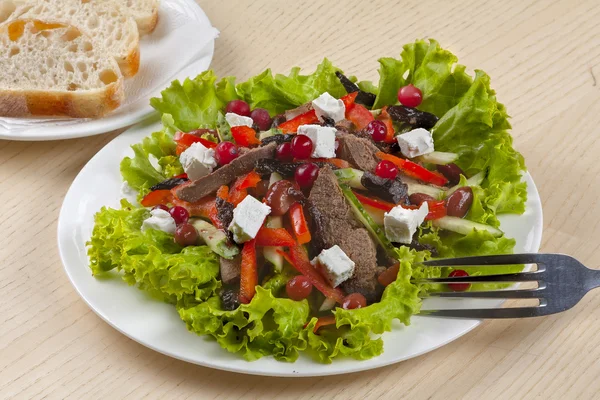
(290, 213)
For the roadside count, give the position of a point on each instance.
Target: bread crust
(147, 25)
(88, 104)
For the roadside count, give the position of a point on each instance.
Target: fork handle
(593, 278)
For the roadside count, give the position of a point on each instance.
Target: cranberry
(239, 107)
(186, 235)
(226, 152)
(306, 174)
(298, 288)
(386, 169)
(459, 287)
(161, 207)
(179, 214)
(410, 96)
(261, 118)
(302, 146)
(354, 300)
(377, 130)
(284, 152)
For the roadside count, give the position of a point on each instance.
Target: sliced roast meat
(339, 226)
(230, 269)
(357, 151)
(265, 167)
(208, 184)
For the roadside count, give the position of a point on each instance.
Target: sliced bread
(54, 69)
(105, 21)
(145, 13)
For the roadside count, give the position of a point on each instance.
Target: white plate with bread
(75, 68)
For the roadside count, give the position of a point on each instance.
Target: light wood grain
(544, 61)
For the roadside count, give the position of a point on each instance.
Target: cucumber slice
(215, 239)
(414, 187)
(270, 252)
(363, 216)
(475, 180)
(464, 226)
(350, 177)
(275, 177)
(327, 304)
(438, 158)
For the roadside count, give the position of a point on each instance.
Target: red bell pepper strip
(299, 224)
(239, 190)
(157, 197)
(414, 170)
(201, 208)
(274, 237)
(244, 136)
(380, 204)
(298, 258)
(349, 99)
(387, 120)
(338, 162)
(248, 272)
(359, 115)
(389, 275)
(185, 140)
(324, 321)
(292, 125)
(437, 210)
(223, 192)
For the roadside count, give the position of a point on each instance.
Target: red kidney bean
(452, 172)
(459, 202)
(418, 198)
(280, 196)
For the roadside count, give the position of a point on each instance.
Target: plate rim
(357, 367)
(127, 120)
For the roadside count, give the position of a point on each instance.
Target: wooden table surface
(543, 58)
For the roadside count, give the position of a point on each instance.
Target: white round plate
(157, 325)
(182, 45)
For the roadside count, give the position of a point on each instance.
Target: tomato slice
(387, 120)
(359, 115)
(244, 136)
(185, 140)
(349, 99)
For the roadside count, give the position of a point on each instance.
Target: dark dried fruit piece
(364, 98)
(391, 190)
(412, 117)
(277, 138)
(168, 184)
(266, 167)
(230, 299)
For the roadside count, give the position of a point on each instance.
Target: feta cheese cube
(336, 265)
(160, 220)
(234, 119)
(415, 143)
(328, 106)
(198, 161)
(248, 217)
(401, 223)
(323, 138)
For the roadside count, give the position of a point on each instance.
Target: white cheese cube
(198, 161)
(401, 223)
(328, 106)
(323, 138)
(336, 265)
(248, 217)
(415, 143)
(160, 220)
(234, 119)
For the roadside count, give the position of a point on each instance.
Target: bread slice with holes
(55, 69)
(105, 21)
(145, 13)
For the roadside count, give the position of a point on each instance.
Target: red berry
(410, 96)
(377, 130)
(161, 207)
(284, 152)
(298, 288)
(354, 300)
(179, 214)
(459, 287)
(226, 152)
(261, 118)
(386, 169)
(302, 146)
(239, 107)
(306, 174)
(186, 235)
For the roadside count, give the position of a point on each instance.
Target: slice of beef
(210, 183)
(266, 167)
(230, 269)
(339, 226)
(357, 151)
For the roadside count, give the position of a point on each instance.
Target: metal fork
(562, 283)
